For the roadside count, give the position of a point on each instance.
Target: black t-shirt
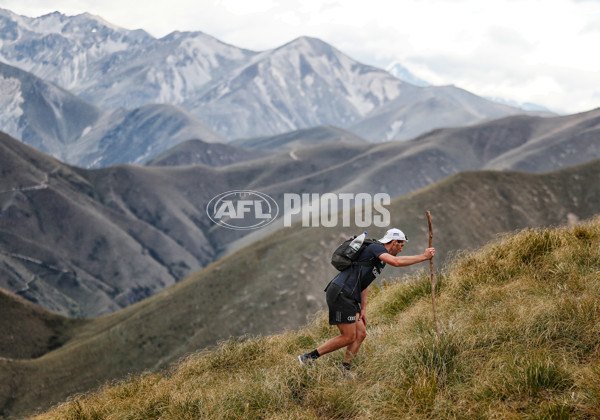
(357, 278)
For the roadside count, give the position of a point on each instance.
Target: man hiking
(347, 294)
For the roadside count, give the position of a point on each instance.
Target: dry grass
(521, 339)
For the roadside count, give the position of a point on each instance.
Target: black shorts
(342, 308)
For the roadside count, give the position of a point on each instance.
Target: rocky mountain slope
(282, 277)
(41, 114)
(236, 92)
(411, 113)
(198, 152)
(63, 227)
(299, 139)
(61, 124)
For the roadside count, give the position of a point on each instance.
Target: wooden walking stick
(437, 327)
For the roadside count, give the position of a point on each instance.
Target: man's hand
(429, 253)
(363, 316)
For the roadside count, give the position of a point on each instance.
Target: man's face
(396, 247)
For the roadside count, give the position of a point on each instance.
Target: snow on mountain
(398, 70)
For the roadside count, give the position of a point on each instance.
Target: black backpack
(342, 257)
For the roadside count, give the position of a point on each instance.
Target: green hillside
(520, 339)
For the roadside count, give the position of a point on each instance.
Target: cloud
(508, 38)
(591, 28)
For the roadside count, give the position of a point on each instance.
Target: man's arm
(404, 260)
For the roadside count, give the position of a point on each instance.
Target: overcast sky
(545, 52)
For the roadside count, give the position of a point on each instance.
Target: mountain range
(61, 124)
(88, 242)
(199, 152)
(299, 139)
(236, 92)
(265, 287)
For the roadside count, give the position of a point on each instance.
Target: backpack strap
(364, 263)
(368, 263)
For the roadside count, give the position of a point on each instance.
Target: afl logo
(242, 209)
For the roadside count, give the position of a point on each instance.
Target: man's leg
(340, 308)
(361, 334)
(347, 336)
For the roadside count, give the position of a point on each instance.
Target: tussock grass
(520, 339)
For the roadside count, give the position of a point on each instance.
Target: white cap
(393, 234)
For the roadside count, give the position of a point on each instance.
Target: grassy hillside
(28, 331)
(520, 339)
(282, 277)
